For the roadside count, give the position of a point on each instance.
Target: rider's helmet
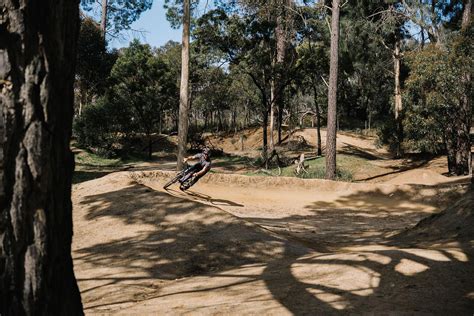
(206, 152)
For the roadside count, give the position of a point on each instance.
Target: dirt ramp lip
(287, 182)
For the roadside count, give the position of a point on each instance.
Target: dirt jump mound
(453, 223)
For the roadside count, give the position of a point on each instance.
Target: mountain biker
(199, 169)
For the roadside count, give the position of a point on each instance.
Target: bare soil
(276, 246)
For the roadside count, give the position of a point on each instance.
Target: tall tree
(332, 95)
(466, 80)
(283, 32)
(103, 19)
(184, 89)
(94, 62)
(398, 95)
(37, 61)
(117, 15)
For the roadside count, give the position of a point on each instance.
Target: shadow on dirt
(189, 238)
(366, 153)
(83, 176)
(215, 202)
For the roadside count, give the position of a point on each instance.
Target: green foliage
(95, 129)
(316, 169)
(141, 88)
(174, 11)
(120, 14)
(142, 85)
(433, 95)
(94, 62)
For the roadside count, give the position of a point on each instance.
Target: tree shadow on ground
(83, 176)
(209, 199)
(407, 165)
(364, 153)
(409, 275)
(188, 238)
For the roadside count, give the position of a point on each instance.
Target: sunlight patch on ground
(428, 254)
(410, 268)
(458, 255)
(336, 301)
(334, 278)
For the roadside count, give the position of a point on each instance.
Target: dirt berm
(247, 245)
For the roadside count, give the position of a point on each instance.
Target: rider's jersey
(205, 164)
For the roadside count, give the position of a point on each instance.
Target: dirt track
(249, 245)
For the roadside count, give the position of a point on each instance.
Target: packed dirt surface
(272, 246)
(397, 240)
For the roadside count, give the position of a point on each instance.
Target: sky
(157, 30)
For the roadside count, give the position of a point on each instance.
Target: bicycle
(181, 174)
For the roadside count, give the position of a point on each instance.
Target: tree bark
(281, 33)
(103, 20)
(265, 139)
(466, 15)
(318, 124)
(37, 65)
(465, 156)
(272, 114)
(184, 91)
(332, 94)
(398, 97)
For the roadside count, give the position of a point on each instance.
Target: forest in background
(403, 74)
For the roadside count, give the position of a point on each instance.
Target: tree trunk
(265, 139)
(466, 15)
(332, 95)
(466, 20)
(280, 121)
(318, 124)
(463, 157)
(150, 145)
(281, 45)
(458, 144)
(398, 98)
(184, 91)
(272, 114)
(103, 20)
(37, 65)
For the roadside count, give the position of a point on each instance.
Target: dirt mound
(420, 176)
(454, 223)
(202, 237)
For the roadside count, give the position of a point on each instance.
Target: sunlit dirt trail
(255, 245)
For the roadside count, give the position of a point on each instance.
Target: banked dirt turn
(259, 245)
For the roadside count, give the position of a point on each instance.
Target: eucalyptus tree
(332, 94)
(179, 14)
(246, 34)
(117, 15)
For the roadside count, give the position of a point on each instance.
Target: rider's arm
(203, 171)
(190, 158)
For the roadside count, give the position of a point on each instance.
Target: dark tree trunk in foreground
(37, 61)
(332, 95)
(184, 90)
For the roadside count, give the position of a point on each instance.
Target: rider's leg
(195, 168)
(193, 182)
